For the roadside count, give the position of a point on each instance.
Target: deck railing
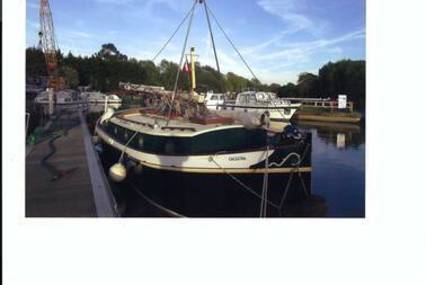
(331, 105)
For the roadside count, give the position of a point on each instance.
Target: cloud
(289, 59)
(289, 11)
(298, 50)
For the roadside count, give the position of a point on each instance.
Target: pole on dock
(50, 98)
(105, 103)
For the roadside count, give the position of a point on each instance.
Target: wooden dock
(325, 110)
(70, 182)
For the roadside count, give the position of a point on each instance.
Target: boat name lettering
(235, 158)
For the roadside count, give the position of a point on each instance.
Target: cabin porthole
(140, 141)
(169, 147)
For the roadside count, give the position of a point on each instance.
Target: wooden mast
(193, 71)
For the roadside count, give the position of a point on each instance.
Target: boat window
(221, 97)
(252, 99)
(140, 141)
(214, 97)
(169, 147)
(243, 99)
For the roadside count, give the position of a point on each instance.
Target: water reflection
(338, 161)
(342, 135)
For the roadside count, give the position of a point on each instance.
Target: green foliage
(35, 63)
(236, 83)
(70, 76)
(342, 77)
(152, 72)
(106, 68)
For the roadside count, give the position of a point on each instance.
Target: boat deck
(158, 125)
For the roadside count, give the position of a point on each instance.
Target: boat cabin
(214, 98)
(253, 98)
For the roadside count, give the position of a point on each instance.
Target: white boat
(266, 105)
(212, 100)
(98, 97)
(97, 107)
(62, 97)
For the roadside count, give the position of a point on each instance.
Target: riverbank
(319, 116)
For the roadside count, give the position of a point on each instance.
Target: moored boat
(205, 160)
(98, 97)
(62, 97)
(266, 105)
(179, 152)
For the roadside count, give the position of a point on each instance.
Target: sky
(278, 38)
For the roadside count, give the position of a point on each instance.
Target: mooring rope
(126, 145)
(288, 184)
(244, 186)
(155, 204)
(263, 206)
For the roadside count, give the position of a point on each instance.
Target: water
(338, 162)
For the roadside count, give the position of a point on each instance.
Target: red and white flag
(186, 67)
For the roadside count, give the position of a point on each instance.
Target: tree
(35, 63)
(236, 83)
(308, 85)
(106, 68)
(70, 76)
(289, 90)
(109, 51)
(344, 77)
(274, 87)
(152, 73)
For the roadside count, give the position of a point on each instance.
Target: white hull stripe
(218, 163)
(277, 114)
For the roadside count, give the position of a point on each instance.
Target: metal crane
(48, 45)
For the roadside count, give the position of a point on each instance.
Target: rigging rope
(231, 42)
(174, 33)
(181, 59)
(212, 37)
